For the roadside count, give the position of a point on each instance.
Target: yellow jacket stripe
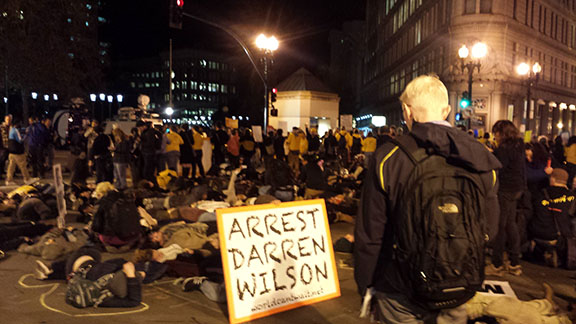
(382, 166)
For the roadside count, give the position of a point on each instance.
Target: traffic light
(465, 101)
(273, 94)
(176, 11)
(274, 112)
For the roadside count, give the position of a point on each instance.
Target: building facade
(407, 38)
(202, 82)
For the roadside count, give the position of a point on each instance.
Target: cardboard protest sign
(231, 123)
(497, 288)
(276, 258)
(60, 199)
(257, 131)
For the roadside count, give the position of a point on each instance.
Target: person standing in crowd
(384, 247)
(197, 146)
(101, 156)
(293, 142)
(558, 156)
(369, 146)
(51, 138)
(330, 145)
(357, 143)
(38, 138)
(17, 155)
(219, 140)
(383, 136)
(279, 151)
(512, 178)
(121, 158)
(135, 167)
(5, 132)
(186, 150)
(344, 140)
(570, 154)
(313, 140)
(91, 135)
(247, 146)
(150, 143)
(233, 147)
(269, 145)
(173, 148)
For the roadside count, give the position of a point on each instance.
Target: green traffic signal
(464, 103)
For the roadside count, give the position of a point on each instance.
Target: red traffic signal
(274, 90)
(175, 16)
(180, 3)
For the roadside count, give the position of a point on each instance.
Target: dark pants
(12, 231)
(149, 166)
(37, 160)
(3, 159)
(508, 234)
(218, 156)
(104, 171)
(197, 162)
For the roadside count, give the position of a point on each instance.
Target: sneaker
(192, 283)
(42, 271)
(515, 270)
(491, 270)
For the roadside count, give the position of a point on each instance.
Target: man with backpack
(150, 143)
(344, 140)
(428, 207)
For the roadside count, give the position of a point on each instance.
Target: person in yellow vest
(173, 148)
(197, 146)
(357, 143)
(303, 142)
(369, 146)
(344, 140)
(293, 143)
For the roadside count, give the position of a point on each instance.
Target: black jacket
(150, 141)
(543, 224)
(373, 257)
(512, 155)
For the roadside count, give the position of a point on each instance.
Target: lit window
(89, 6)
(132, 85)
(87, 24)
(69, 20)
(203, 63)
(101, 19)
(71, 55)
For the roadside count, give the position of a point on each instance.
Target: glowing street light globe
(536, 68)
(479, 50)
(463, 52)
(523, 68)
(267, 43)
(169, 111)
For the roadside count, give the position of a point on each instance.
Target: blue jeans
(120, 175)
(172, 158)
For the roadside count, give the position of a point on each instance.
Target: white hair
(425, 95)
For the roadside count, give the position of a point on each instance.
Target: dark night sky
(139, 28)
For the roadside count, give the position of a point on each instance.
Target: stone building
(407, 38)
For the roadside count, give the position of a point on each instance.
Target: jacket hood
(456, 146)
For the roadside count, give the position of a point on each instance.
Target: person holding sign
(441, 182)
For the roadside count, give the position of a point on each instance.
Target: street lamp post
(267, 45)
(532, 75)
(479, 51)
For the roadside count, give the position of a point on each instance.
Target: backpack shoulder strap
(410, 147)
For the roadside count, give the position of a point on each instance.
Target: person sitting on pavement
(551, 223)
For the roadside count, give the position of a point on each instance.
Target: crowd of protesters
(156, 189)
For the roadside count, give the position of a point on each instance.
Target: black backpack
(82, 293)
(439, 234)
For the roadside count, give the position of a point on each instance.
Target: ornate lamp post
(532, 75)
(267, 45)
